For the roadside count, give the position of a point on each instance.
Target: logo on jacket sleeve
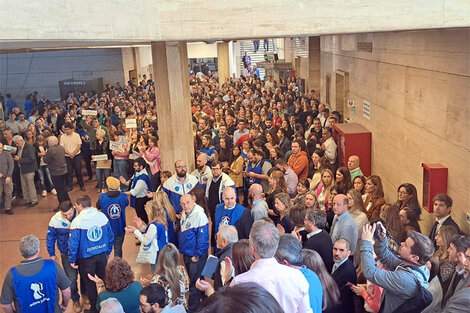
(94, 233)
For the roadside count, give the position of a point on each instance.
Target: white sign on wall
(366, 109)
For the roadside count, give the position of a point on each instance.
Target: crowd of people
(268, 221)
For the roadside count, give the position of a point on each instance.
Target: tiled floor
(35, 220)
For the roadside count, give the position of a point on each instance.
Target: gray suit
(344, 227)
(459, 302)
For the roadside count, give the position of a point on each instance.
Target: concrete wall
(22, 73)
(167, 20)
(418, 86)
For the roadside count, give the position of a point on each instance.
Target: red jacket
(299, 164)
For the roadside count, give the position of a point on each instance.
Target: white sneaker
(54, 192)
(44, 193)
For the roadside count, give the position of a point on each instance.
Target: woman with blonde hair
(171, 275)
(446, 269)
(357, 212)
(161, 199)
(356, 209)
(156, 230)
(323, 189)
(310, 200)
(282, 204)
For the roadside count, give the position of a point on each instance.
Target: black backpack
(420, 301)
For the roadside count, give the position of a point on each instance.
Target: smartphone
(210, 266)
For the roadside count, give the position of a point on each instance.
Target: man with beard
(140, 187)
(179, 184)
(215, 186)
(202, 171)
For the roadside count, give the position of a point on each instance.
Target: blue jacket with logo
(175, 189)
(58, 230)
(225, 216)
(90, 234)
(115, 210)
(194, 235)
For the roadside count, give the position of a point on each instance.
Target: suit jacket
(27, 162)
(322, 244)
(457, 283)
(447, 222)
(459, 302)
(344, 274)
(244, 224)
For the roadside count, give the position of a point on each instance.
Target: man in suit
(343, 273)
(442, 205)
(317, 238)
(28, 164)
(458, 248)
(343, 225)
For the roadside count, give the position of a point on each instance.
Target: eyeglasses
(181, 166)
(402, 193)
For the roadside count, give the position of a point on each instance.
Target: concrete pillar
(223, 61)
(288, 50)
(170, 66)
(314, 63)
(136, 57)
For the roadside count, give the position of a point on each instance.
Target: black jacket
(28, 162)
(344, 274)
(322, 244)
(225, 252)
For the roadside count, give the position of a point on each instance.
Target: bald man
(230, 213)
(193, 244)
(343, 225)
(259, 207)
(353, 165)
(55, 161)
(202, 171)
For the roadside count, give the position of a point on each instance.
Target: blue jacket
(90, 234)
(194, 235)
(225, 216)
(176, 189)
(115, 211)
(58, 230)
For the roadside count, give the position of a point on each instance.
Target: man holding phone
(400, 281)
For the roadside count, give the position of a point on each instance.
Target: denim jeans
(102, 173)
(72, 274)
(120, 169)
(45, 177)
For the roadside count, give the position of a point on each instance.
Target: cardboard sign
(115, 146)
(99, 157)
(89, 112)
(131, 123)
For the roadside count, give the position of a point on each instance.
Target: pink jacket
(153, 158)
